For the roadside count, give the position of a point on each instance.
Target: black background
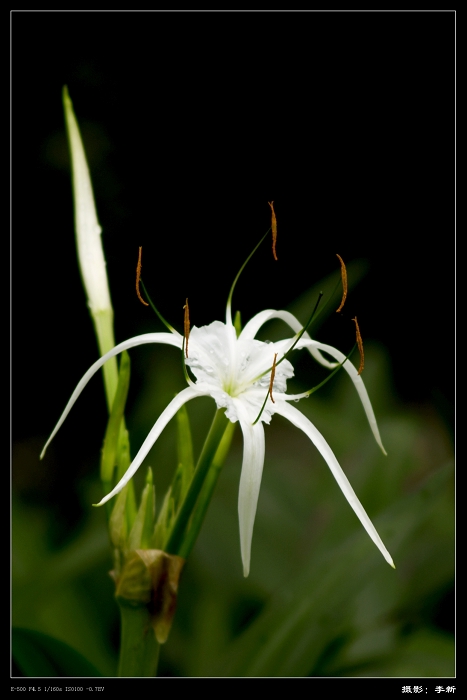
(192, 122)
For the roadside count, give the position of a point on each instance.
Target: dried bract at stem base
(150, 578)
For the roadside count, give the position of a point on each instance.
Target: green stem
(207, 491)
(103, 325)
(213, 440)
(139, 648)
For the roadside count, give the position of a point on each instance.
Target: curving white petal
(250, 481)
(314, 347)
(355, 377)
(253, 326)
(300, 421)
(165, 338)
(168, 413)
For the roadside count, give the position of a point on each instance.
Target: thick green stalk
(213, 440)
(206, 492)
(139, 648)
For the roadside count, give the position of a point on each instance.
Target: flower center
(232, 369)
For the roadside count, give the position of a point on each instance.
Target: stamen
(297, 338)
(186, 326)
(360, 346)
(344, 284)
(274, 230)
(228, 311)
(273, 374)
(305, 394)
(138, 277)
(261, 411)
(304, 329)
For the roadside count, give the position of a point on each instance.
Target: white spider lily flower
(236, 373)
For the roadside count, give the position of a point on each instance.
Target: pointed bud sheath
(88, 231)
(89, 245)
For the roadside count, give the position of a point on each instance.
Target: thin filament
(273, 374)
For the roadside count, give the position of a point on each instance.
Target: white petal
(209, 353)
(176, 403)
(357, 380)
(300, 421)
(250, 482)
(166, 338)
(314, 347)
(253, 326)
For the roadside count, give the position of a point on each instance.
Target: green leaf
(149, 512)
(305, 618)
(38, 655)
(143, 525)
(117, 522)
(163, 521)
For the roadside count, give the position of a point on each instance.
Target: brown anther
(138, 277)
(273, 374)
(344, 284)
(274, 230)
(186, 326)
(360, 346)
